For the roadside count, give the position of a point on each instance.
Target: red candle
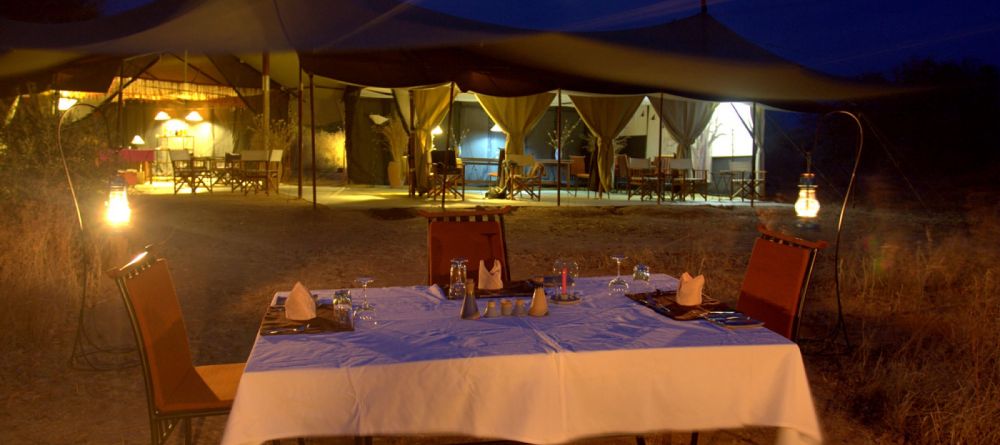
(564, 273)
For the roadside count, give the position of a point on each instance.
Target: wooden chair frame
(479, 215)
(186, 171)
(161, 423)
(810, 248)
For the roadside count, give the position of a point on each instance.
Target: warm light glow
(137, 140)
(807, 206)
(496, 128)
(193, 116)
(118, 213)
(175, 127)
(66, 103)
(437, 130)
(162, 116)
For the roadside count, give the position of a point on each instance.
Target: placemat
(327, 320)
(664, 303)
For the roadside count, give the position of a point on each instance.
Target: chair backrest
(621, 166)
(638, 164)
(254, 155)
(577, 164)
(148, 291)
(474, 234)
(683, 164)
(180, 156)
(276, 155)
(445, 158)
(776, 280)
(663, 162)
(522, 163)
(739, 166)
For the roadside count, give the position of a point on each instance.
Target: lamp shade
(137, 140)
(193, 116)
(807, 206)
(437, 130)
(65, 103)
(162, 116)
(496, 128)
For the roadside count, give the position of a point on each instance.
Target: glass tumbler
(456, 286)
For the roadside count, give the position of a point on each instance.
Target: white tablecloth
(604, 366)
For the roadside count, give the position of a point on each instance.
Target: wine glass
(365, 313)
(618, 286)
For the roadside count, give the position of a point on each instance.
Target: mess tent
(386, 82)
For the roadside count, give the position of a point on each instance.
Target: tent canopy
(388, 43)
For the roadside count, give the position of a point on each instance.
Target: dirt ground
(229, 253)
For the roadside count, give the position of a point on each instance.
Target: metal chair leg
(694, 438)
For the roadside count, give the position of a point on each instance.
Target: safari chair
(640, 178)
(742, 181)
(686, 180)
(253, 173)
(621, 173)
(176, 390)
(273, 169)
(226, 174)
(578, 172)
(187, 172)
(447, 176)
(473, 234)
(776, 280)
(495, 178)
(530, 182)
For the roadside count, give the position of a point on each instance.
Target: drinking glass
(640, 277)
(618, 286)
(365, 313)
(458, 272)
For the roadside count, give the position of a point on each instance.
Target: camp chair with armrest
(187, 172)
(253, 173)
(530, 182)
(176, 390)
(776, 280)
(447, 176)
(473, 234)
(640, 178)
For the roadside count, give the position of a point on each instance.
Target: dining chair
(273, 169)
(254, 171)
(447, 175)
(186, 172)
(530, 182)
(476, 235)
(640, 181)
(621, 172)
(176, 389)
(776, 280)
(578, 172)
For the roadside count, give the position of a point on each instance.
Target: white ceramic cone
(539, 304)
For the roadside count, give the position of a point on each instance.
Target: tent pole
(299, 145)
(753, 158)
(659, 153)
(451, 133)
(559, 147)
(266, 84)
(121, 105)
(312, 132)
(410, 162)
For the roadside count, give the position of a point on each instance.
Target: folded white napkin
(689, 290)
(300, 305)
(490, 279)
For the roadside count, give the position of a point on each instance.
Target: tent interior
(710, 79)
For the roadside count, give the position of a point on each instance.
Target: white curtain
(685, 120)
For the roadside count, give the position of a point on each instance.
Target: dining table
(603, 365)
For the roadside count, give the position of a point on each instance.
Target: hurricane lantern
(807, 206)
(118, 213)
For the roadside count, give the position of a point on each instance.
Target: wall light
(162, 116)
(193, 116)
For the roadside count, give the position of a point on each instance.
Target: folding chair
(776, 280)
(530, 183)
(640, 178)
(473, 234)
(176, 390)
(187, 172)
(254, 172)
(578, 172)
(447, 176)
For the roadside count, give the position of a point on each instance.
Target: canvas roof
(387, 43)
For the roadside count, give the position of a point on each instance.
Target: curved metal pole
(840, 327)
(62, 153)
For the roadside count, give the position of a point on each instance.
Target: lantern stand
(807, 208)
(81, 357)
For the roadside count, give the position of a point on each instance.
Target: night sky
(843, 37)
